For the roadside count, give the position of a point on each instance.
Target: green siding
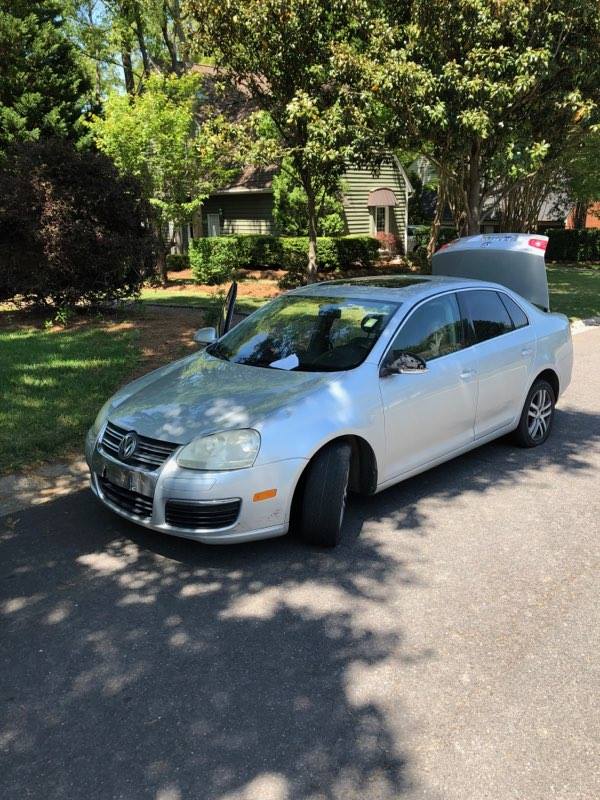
(358, 182)
(241, 213)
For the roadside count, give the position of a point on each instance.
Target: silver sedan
(341, 386)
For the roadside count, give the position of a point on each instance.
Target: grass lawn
(191, 298)
(52, 383)
(575, 291)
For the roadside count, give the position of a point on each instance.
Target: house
(373, 202)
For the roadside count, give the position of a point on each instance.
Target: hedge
(573, 245)
(423, 232)
(176, 262)
(214, 259)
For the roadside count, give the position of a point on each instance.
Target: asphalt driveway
(448, 650)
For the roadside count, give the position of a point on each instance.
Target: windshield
(314, 334)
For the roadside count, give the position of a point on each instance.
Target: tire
(537, 415)
(324, 497)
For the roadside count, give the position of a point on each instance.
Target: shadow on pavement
(139, 666)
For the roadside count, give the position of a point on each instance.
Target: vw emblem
(128, 445)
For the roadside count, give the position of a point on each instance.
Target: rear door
(505, 345)
(429, 415)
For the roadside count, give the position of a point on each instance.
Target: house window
(381, 219)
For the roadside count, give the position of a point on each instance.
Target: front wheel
(537, 416)
(324, 497)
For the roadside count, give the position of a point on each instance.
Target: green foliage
(154, 137)
(289, 56)
(177, 262)
(290, 208)
(494, 91)
(215, 259)
(71, 228)
(573, 245)
(44, 86)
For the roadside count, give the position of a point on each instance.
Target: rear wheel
(324, 497)
(537, 416)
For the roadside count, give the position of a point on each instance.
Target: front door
(432, 414)
(213, 224)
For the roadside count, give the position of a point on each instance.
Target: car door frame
(389, 478)
(527, 353)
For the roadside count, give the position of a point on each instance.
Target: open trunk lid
(515, 260)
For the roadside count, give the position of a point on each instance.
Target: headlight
(101, 418)
(221, 451)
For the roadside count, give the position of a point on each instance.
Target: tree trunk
(312, 266)
(437, 219)
(128, 72)
(139, 29)
(473, 190)
(162, 250)
(580, 215)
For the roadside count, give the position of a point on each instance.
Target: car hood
(202, 394)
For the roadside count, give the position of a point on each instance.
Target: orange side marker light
(266, 495)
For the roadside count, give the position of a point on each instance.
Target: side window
(488, 315)
(435, 329)
(517, 314)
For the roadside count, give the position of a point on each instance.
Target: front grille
(197, 514)
(126, 500)
(149, 453)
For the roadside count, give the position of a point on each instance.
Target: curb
(582, 325)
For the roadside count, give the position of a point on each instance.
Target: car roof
(394, 288)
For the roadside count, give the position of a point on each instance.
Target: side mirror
(402, 363)
(205, 336)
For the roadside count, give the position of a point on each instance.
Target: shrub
(573, 245)
(177, 262)
(71, 229)
(387, 241)
(215, 259)
(357, 251)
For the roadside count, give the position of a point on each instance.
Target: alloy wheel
(539, 414)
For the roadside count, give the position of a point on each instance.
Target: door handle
(468, 373)
(527, 351)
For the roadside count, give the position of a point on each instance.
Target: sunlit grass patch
(575, 291)
(52, 383)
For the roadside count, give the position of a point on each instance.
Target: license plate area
(126, 479)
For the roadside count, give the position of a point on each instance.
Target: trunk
(312, 266)
(162, 250)
(161, 266)
(580, 215)
(437, 219)
(473, 190)
(139, 30)
(171, 48)
(128, 72)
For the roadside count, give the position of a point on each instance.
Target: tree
(581, 170)
(44, 87)
(493, 91)
(71, 229)
(125, 41)
(289, 208)
(289, 56)
(178, 160)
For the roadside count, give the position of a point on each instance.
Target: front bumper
(256, 520)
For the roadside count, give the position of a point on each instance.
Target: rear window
(487, 313)
(517, 314)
